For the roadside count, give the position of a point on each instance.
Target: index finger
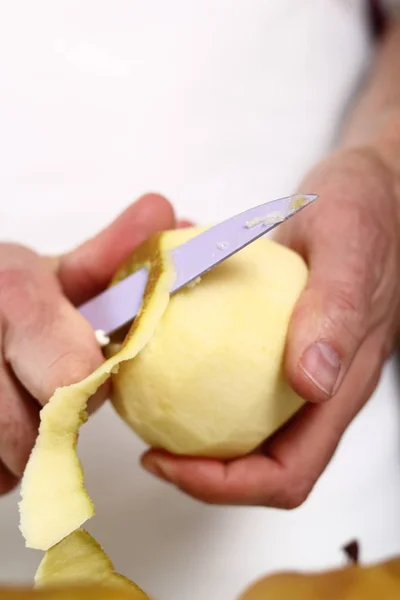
(88, 269)
(46, 342)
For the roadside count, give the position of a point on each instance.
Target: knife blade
(119, 304)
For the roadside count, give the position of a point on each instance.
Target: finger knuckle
(203, 491)
(18, 447)
(294, 495)
(293, 501)
(19, 302)
(347, 300)
(16, 265)
(13, 280)
(8, 482)
(347, 312)
(19, 421)
(72, 366)
(26, 286)
(202, 497)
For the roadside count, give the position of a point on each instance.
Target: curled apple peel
(54, 501)
(77, 559)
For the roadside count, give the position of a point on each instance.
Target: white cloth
(218, 105)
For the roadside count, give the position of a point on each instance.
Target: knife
(119, 304)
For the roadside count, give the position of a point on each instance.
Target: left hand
(45, 342)
(342, 331)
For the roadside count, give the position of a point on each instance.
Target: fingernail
(321, 364)
(159, 468)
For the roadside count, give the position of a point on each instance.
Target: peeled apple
(210, 380)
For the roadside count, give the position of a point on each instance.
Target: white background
(218, 105)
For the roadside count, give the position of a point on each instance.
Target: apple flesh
(210, 382)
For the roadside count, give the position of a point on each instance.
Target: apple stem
(352, 551)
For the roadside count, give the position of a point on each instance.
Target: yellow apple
(210, 381)
(79, 560)
(376, 582)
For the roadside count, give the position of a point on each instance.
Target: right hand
(351, 304)
(45, 342)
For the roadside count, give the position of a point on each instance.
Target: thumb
(342, 305)
(87, 270)
(326, 330)
(350, 241)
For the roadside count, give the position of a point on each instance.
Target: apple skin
(375, 582)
